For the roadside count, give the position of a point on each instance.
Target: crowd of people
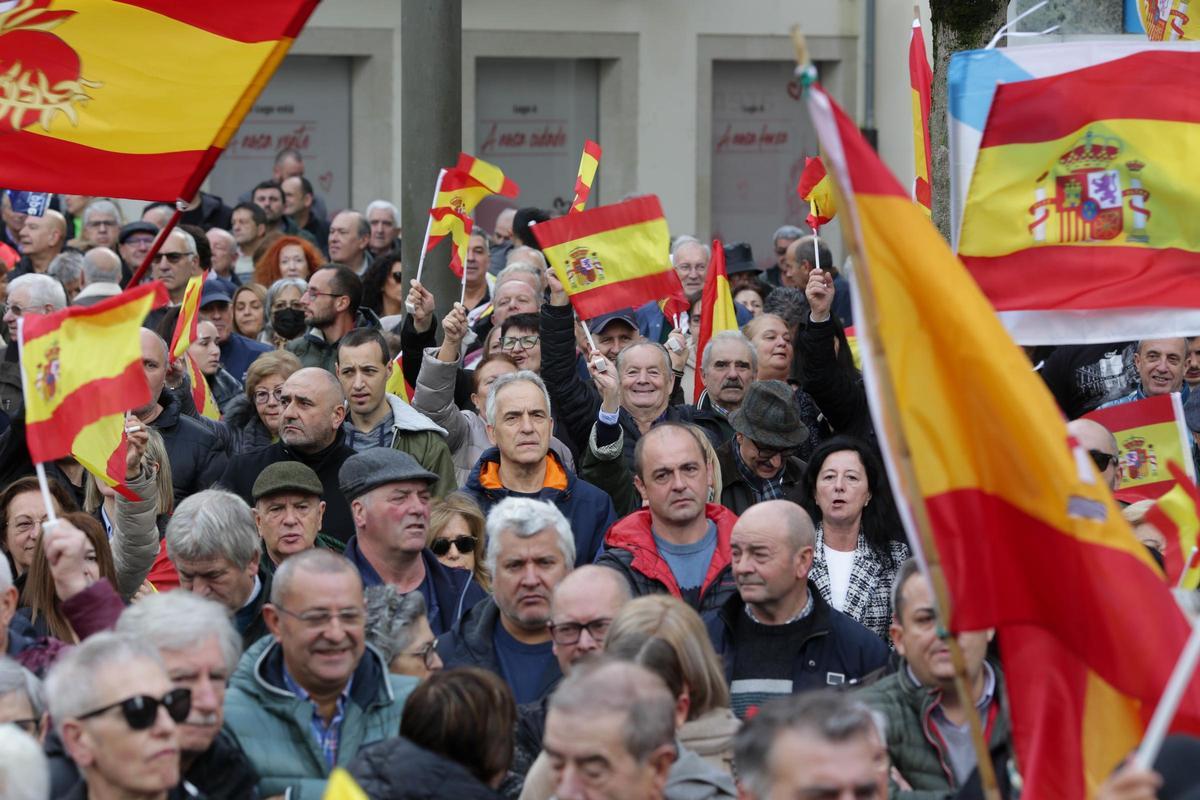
(545, 573)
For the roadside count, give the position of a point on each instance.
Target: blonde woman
(456, 536)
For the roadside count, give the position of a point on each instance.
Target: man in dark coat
(757, 464)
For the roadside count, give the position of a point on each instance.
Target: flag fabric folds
(396, 382)
(98, 107)
(1076, 224)
(611, 257)
(920, 79)
(462, 188)
(189, 316)
(716, 307)
(1169, 20)
(1019, 519)
(202, 394)
(588, 163)
(80, 365)
(459, 227)
(1176, 514)
(1150, 434)
(817, 189)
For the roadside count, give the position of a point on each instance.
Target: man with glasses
(101, 223)
(758, 464)
(389, 493)
(133, 243)
(308, 698)
(27, 294)
(175, 263)
(1101, 445)
(118, 716)
(330, 310)
(288, 511)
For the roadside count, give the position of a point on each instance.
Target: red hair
(266, 269)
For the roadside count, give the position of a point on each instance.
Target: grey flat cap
(363, 472)
(286, 476)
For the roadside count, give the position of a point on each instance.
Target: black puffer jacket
(197, 455)
(400, 770)
(245, 429)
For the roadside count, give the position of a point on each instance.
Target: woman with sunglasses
(383, 287)
(456, 535)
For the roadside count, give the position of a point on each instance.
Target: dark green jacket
(915, 748)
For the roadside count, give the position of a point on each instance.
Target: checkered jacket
(869, 598)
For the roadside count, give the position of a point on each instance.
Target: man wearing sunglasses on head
(118, 715)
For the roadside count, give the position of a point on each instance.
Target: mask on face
(288, 322)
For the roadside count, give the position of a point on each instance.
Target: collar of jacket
(316, 460)
(477, 628)
(370, 687)
(735, 606)
(556, 478)
(634, 533)
(407, 418)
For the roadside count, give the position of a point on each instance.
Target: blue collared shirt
(327, 736)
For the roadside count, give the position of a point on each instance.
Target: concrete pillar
(430, 129)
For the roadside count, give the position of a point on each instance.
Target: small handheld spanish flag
(589, 162)
(459, 227)
(816, 187)
(185, 326)
(202, 395)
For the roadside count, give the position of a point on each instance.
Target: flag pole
(1188, 566)
(437, 189)
(158, 243)
(1181, 677)
(905, 484)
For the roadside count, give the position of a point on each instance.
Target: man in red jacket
(680, 543)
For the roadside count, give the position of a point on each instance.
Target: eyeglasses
(141, 711)
(174, 258)
(464, 544)
(139, 240)
(262, 396)
(427, 653)
(1101, 459)
(526, 342)
(398, 277)
(311, 292)
(569, 632)
(14, 308)
(101, 223)
(770, 452)
(317, 619)
(25, 525)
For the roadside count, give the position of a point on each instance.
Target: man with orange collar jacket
(521, 464)
(679, 544)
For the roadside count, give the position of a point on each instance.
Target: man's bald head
(43, 237)
(314, 407)
(101, 265)
(784, 519)
(1101, 445)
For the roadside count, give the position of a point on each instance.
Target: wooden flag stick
(905, 484)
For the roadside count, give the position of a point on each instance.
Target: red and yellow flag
(95, 103)
(920, 79)
(816, 187)
(397, 384)
(202, 395)
(82, 370)
(342, 786)
(588, 163)
(1150, 433)
(716, 308)
(189, 316)
(459, 227)
(611, 257)
(462, 187)
(1018, 517)
(1077, 223)
(1176, 514)
(1169, 20)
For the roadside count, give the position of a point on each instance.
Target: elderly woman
(286, 320)
(398, 626)
(856, 557)
(456, 535)
(772, 340)
(250, 310)
(253, 417)
(287, 257)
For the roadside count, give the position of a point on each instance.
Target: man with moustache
(728, 365)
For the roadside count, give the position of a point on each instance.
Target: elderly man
(214, 546)
(118, 716)
(67, 269)
(249, 229)
(678, 543)
(27, 294)
(529, 551)
(928, 730)
(176, 263)
(777, 635)
(288, 511)
(133, 243)
(310, 431)
(330, 310)
(728, 365)
(1101, 445)
(389, 496)
(521, 464)
(101, 223)
(618, 716)
(216, 306)
(380, 419)
(224, 253)
(1160, 364)
(690, 258)
(22, 701)
(101, 276)
(41, 239)
(349, 234)
(758, 464)
(500, 244)
(384, 219)
(475, 271)
(820, 744)
(200, 649)
(310, 696)
(784, 236)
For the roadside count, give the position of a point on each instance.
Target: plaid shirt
(326, 735)
(763, 488)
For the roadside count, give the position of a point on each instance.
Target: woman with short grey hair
(398, 627)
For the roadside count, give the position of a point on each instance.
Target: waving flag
(461, 189)
(1018, 518)
(611, 257)
(716, 308)
(189, 317)
(920, 79)
(1150, 434)
(459, 227)
(1170, 20)
(82, 370)
(202, 394)
(588, 164)
(817, 189)
(397, 384)
(132, 99)
(1176, 514)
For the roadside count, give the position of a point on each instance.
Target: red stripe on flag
(54, 437)
(1065, 276)
(624, 294)
(115, 470)
(599, 220)
(260, 21)
(1049, 108)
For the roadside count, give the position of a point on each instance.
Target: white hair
(189, 241)
(67, 266)
(24, 771)
(213, 523)
(513, 377)
(71, 685)
(524, 268)
(101, 206)
(223, 234)
(729, 336)
(378, 204)
(174, 621)
(43, 290)
(15, 678)
(684, 239)
(524, 517)
(787, 232)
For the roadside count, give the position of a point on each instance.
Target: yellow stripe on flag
(342, 786)
(94, 446)
(631, 252)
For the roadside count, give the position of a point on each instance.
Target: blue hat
(598, 324)
(216, 290)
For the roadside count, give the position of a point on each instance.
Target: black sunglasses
(465, 545)
(398, 277)
(1101, 459)
(141, 711)
(174, 258)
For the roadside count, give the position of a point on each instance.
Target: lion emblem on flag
(46, 382)
(583, 268)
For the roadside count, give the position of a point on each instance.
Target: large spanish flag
(920, 79)
(1029, 540)
(82, 370)
(717, 312)
(135, 98)
(1170, 20)
(1150, 434)
(611, 257)
(1079, 220)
